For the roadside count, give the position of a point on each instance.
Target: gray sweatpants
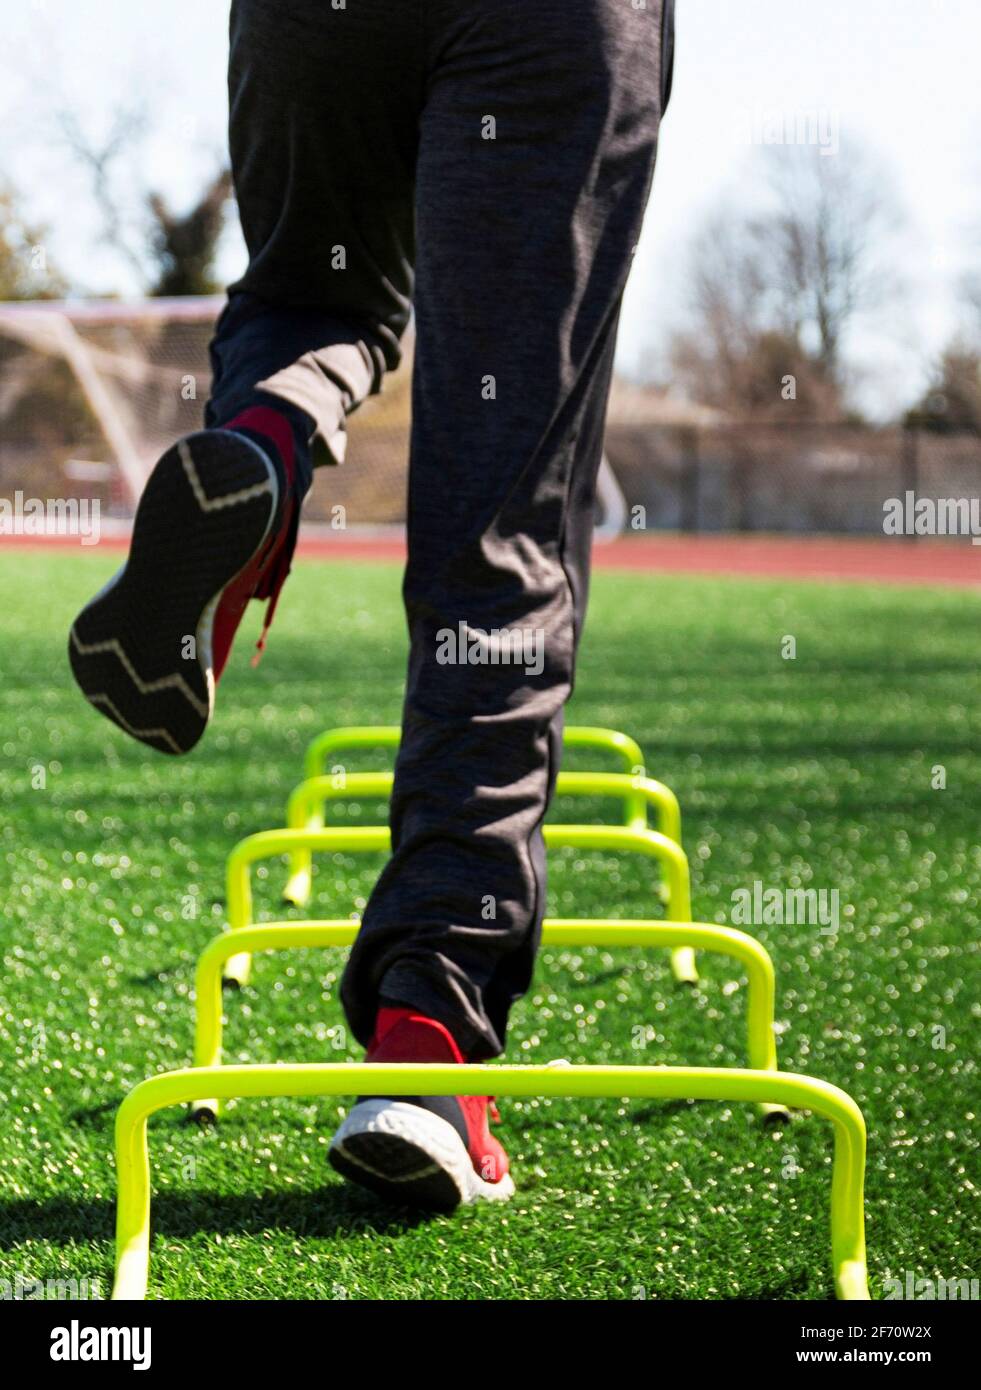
(487, 162)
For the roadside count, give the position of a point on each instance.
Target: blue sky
(898, 76)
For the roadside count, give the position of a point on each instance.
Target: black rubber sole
(141, 649)
(396, 1169)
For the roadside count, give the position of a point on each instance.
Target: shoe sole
(410, 1156)
(207, 508)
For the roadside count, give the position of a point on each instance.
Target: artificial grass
(813, 772)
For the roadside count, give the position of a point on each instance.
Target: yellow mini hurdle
(400, 1079)
(305, 808)
(268, 844)
(626, 750)
(280, 936)
(637, 791)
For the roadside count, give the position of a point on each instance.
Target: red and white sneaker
(215, 527)
(426, 1151)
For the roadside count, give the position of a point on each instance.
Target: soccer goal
(93, 391)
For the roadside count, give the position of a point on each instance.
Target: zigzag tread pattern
(174, 681)
(228, 499)
(164, 734)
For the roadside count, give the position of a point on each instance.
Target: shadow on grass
(663, 1109)
(93, 1116)
(793, 1287)
(155, 979)
(326, 1213)
(331, 1211)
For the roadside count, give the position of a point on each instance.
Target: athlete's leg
(323, 141)
(323, 109)
(537, 149)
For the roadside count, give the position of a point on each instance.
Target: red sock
(273, 427)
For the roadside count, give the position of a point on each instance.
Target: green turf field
(815, 772)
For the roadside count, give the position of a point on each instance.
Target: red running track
(885, 561)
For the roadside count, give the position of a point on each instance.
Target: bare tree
(25, 270)
(952, 399)
(745, 337)
(775, 293)
(825, 244)
(172, 253)
(101, 158)
(184, 246)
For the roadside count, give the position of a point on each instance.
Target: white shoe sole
(410, 1155)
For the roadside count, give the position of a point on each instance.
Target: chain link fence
(818, 478)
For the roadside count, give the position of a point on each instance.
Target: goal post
(104, 383)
